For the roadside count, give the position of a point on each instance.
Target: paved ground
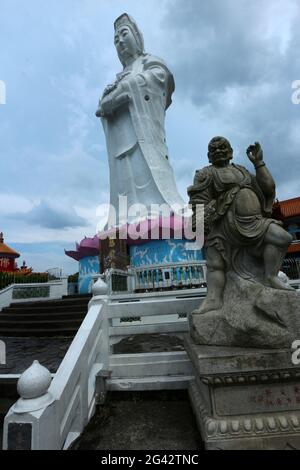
(142, 421)
(137, 344)
(21, 352)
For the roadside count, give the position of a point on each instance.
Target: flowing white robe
(135, 138)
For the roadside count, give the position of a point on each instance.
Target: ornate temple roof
(287, 209)
(6, 250)
(87, 247)
(294, 248)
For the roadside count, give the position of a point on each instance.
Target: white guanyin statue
(132, 112)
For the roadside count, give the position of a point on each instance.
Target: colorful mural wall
(88, 266)
(164, 252)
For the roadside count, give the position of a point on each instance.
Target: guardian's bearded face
(219, 151)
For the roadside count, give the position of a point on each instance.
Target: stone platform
(252, 315)
(245, 398)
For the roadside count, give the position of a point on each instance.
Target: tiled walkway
(21, 352)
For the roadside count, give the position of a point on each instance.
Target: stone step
(40, 324)
(10, 317)
(49, 303)
(39, 332)
(5, 404)
(61, 317)
(8, 393)
(59, 302)
(78, 296)
(47, 310)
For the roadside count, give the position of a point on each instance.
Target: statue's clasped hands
(112, 98)
(111, 102)
(109, 89)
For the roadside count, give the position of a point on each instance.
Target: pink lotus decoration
(160, 228)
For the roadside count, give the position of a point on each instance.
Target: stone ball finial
(33, 388)
(100, 287)
(34, 382)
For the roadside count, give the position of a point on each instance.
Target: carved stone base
(245, 398)
(252, 316)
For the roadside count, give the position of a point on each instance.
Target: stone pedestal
(252, 315)
(245, 398)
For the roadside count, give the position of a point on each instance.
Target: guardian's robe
(237, 214)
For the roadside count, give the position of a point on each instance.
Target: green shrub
(8, 278)
(73, 277)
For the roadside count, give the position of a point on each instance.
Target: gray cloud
(51, 216)
(217, 45)
(235, 61)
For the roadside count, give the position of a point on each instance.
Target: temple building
(155, 264)
(87, 255)
(288, 212)
(168, 263)
(7, 257)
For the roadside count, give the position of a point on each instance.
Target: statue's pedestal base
(245, 398)
(252, 315)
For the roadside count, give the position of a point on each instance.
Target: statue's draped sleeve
(154, 77)
(157, 69)
(266, 201)
(202, 192)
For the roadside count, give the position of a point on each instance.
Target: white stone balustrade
(170, 276)
(56, 289)
(109, 320)
(72, 390)
(74, 386)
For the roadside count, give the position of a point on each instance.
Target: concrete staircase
(44, 318)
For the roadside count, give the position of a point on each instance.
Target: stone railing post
(19, 423)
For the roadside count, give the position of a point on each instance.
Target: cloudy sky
(234, 63)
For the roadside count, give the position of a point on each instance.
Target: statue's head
(129, 40)
(219, 151)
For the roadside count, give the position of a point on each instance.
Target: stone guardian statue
(246, 302)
